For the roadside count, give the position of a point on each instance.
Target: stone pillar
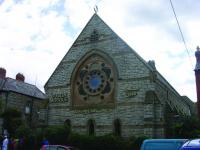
(197, 75)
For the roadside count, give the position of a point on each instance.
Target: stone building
(27, 98)
(103, 86)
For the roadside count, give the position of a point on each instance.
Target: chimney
(2, 73)
(20, 77)
(197, 75)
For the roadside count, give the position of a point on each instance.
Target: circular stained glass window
(94, 82)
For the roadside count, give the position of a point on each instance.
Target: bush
(188, 128)
(11, 120)
(57, 134)
(62, 135)
(27, 137)
(106, 142)
(138, 142)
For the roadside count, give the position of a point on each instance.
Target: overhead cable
(179, 27)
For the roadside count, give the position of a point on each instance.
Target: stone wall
(137, 114)
(20, 101)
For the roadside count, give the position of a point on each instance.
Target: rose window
(94, 82)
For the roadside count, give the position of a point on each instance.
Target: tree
(11, 120)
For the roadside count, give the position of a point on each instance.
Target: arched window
(93, 80)
(67, 123)
(117, 127)
(151, 97)
(91, 127)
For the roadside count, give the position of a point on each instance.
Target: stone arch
(153, 112)
(91, 127)
(117, 127)
(93, 80)
(151, 97)
(67, 123)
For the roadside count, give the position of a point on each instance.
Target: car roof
(164, 140)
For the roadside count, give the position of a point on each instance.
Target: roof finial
(198, 49)
(96, 9)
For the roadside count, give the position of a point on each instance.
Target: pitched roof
(9, 84)
(106, 34)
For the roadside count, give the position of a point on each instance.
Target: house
(25, 97)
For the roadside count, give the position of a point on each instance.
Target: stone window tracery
(94, 82)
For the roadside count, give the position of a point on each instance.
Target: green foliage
(137, 142)
(29, 138)
(23, 131)
(57, 134)
(12, 120)
(62, 135)
(188, 128)
(106, 142)
(1, 106)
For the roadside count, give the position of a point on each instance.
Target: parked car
(57, 147)
(162, 144)
(191, 145)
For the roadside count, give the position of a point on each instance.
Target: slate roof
(9, 84)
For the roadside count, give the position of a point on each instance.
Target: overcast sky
(36, 34)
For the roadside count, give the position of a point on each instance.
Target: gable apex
(96, 35)
(95, 29)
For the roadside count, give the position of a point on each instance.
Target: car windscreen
(163, 146)
(193, 143)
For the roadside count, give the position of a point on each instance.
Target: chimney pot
(20, 77)
(2, 73)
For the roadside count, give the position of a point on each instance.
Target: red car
(57, 147)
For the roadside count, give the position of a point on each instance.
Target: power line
(179, 27)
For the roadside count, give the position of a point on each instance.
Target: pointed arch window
(151, 97)
(91, 127)
(67, 123)
(117, 127)
(93, 80)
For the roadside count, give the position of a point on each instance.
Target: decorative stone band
(61, 97)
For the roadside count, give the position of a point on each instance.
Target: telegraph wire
(179, 27)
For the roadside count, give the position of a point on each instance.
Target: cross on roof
(198, 49)
(95, 9)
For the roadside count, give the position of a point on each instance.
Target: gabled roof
(9, 84)
(83, 42)
(96, 23)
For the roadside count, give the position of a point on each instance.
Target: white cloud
(35, 36)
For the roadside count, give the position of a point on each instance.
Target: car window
(50, 148)
(162, 146)
(194, 143)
